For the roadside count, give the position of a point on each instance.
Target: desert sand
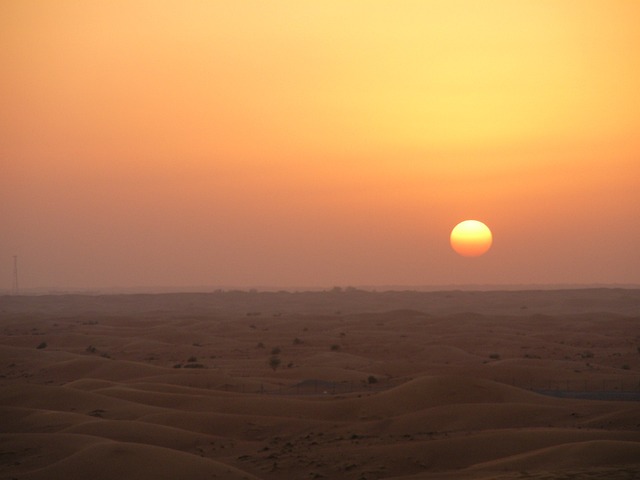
(341, 384)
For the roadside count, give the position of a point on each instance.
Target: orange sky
(318, 143)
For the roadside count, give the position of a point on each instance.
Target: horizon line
(147, 289)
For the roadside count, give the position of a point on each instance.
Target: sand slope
(106, 461)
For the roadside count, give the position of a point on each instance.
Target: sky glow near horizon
(318, 143)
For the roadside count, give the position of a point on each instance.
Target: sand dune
(436, 385)
(428, 392)
(32, 420)
(135, 461)
(570, 456)
(66, 399)
(140, 432)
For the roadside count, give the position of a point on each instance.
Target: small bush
(371, 380)
(297, 341)
(194, 365)
(192, 359)
(274, 362)
(494, 356)
(335, 347)
(276, 351)
(42, 345)
(91, 349)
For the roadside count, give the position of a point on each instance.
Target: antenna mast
(15, 289)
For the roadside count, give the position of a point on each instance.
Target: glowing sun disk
(471, 238)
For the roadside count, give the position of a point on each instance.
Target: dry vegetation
(339, 384)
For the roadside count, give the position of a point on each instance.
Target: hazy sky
(318, 143)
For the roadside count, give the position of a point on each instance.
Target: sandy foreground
(343, 384)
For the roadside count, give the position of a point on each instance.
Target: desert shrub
(626, 367)
(192, 359)
(177, 365)
(371, 380)
(42, 345)
(260, 345)
(297, 341)
(194, 365)
(335, 347)
(274, 362)
(91, 349)
(276, 351)
(494, 356)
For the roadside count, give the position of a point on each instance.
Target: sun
(471, 238)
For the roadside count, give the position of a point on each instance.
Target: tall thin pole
(15, 289)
